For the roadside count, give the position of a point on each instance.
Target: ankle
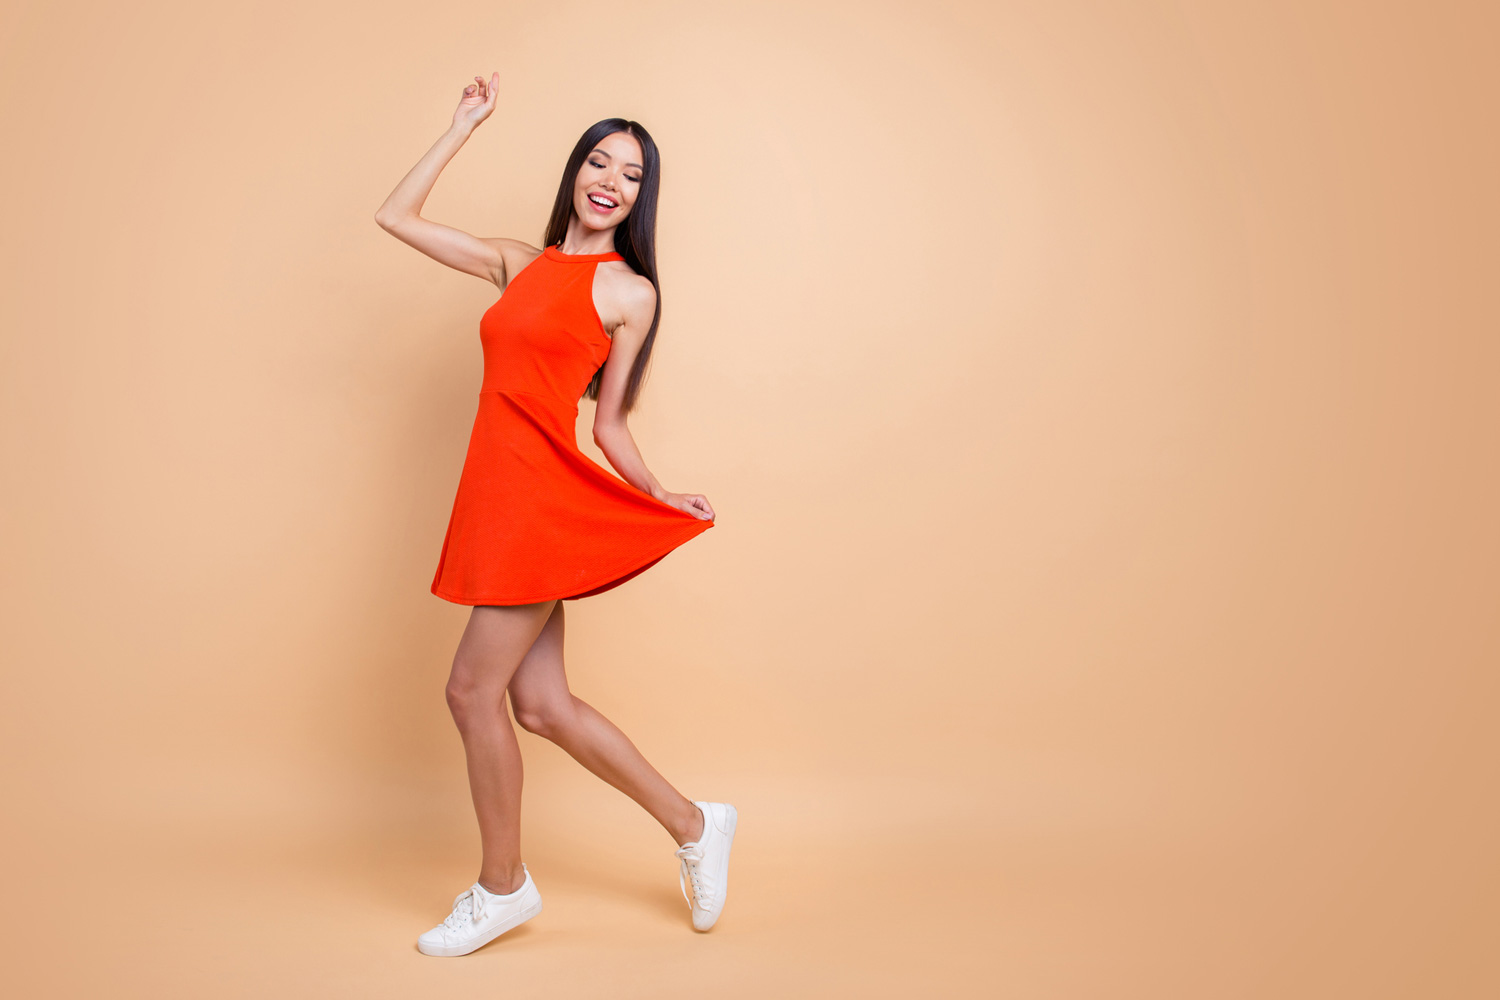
(693, 827)
(503, 883)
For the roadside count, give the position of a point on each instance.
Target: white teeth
(601, 201)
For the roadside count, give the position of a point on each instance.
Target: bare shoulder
(514, 255)
(626, 297)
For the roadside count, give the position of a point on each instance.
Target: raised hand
(478, 101)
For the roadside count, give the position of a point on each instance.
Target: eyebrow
(608, 157)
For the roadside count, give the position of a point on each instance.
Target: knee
(546, 718)
(465, 697)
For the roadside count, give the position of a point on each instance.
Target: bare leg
(492, 646)
(543, 705)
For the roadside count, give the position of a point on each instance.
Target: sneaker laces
(468, 907)
(689, 870)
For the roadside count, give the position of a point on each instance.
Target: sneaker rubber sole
(510, 923)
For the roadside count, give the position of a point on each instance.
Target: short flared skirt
(536, 519)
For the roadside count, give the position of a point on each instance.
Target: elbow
(611, 429)
(382, 220)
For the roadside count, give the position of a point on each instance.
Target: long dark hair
(635, 240)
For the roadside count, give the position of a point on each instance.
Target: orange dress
(535, 518)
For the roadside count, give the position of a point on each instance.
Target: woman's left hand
(695, 504)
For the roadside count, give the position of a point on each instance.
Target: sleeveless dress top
(535, 518)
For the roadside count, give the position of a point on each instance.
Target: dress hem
(699, 525)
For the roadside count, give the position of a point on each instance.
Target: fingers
(695, 504)
(484, 90)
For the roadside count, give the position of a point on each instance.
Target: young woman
(535, 521)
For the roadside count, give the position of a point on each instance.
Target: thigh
(495, 641)
(540, 680)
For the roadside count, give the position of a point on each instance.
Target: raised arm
(400, 215)
(637, 306)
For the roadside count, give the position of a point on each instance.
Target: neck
(582, 240)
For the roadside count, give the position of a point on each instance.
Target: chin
(601, 224)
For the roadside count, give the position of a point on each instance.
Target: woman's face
(608, 181)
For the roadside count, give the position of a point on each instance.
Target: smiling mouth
(603, 202)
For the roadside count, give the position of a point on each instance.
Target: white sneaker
(705, 863)
(479, 916)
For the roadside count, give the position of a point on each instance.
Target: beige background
(1099, 404)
